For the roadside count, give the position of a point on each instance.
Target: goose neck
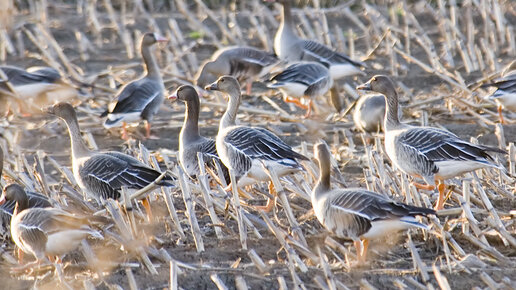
(229, 117)
(190, 128)
(391, 120)
(79, 148)
(151, 66)
(323, 183)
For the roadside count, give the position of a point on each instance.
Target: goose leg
(365, 245)
(146, 205)
(502, 121)
(248, 87)
(296, 102)
(309, 110)
(361, 248)
(270, 201)
(423, 186)
(124, 131)
(147, 129)
(20, 256)
(440, 201)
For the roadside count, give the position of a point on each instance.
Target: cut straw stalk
(235, 201)
(203, 182)
(190, 212)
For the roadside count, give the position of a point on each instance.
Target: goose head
(184, 93)
(150, 38)
(62, 110)
(16, 193)
(380, 83)
(227, 85)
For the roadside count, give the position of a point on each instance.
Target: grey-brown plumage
(356, 213)
(369, 113)
(190, 141)
(243, 63)
(140, 99)
(426, 152)
(102, 174)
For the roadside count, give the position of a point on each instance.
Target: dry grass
(439, 53)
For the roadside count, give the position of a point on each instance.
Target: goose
(369, 113)
(7, 208)
(305, 80)
(505, 94)
(45, 231)
(244, 63)
(101, 175)
(356, 213)
(190, 141)
(40, 86)
(289, 47)
(246, 149)
(139, 99)
(429, 153)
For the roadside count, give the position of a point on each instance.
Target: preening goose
(505, 94)
(303, 80)
(244, 149)
(44, 231)
(356, 213)
(289, 47)
(369, 113)
(244, 63)
(7, 208)
(103, 174)
(39, 86)
(426, 152)
(190, 141)
(140, 99)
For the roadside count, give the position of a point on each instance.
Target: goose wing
(19, 77)
(302, 73)
(135, 96)
(106, 173)
(259, 143)
(440, 145)
(315, 51)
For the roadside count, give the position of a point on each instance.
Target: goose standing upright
(505, 94)
(44, 231)
(140, 99)
(369, 113)
(190, 141)
(244, 63)
(356, 213)
(246, 149)
(305, 80)
(289, 47)
(426, 152)
(7, 208)
(103, 174)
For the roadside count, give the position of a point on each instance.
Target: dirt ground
(391, 263)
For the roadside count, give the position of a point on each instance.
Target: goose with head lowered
(7, 208)
(190, 141)
(356, 213)
(301, 82)
(140, 99)
(244, 63)
(103, 174)
(244, 149)
(432, 154)
(289, 47)
(45, 232)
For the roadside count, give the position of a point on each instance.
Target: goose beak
(160, 38)
(365, 87)
(212, 87)
(48, 110)
(172, 97)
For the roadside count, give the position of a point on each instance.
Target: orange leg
(20, 256)
(309, 110)
(361, 248)
(440, 201)
(423, 186)
(146, 205)
(147, 129)
(270, 201)
(298, 103)
(248, 87)
(124, 131)
(502, 121)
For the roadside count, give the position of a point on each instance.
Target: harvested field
(439, 53)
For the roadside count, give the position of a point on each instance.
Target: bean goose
(7, 208)
(505, 94)
(426, 152)
(289, 47)
(36, 86)
(101, 175)
(369, 113)
(244, 63)
(140, 99)
(44, 231)
(356, 213)
(305, 80)
(190, 141)
(246, 149)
